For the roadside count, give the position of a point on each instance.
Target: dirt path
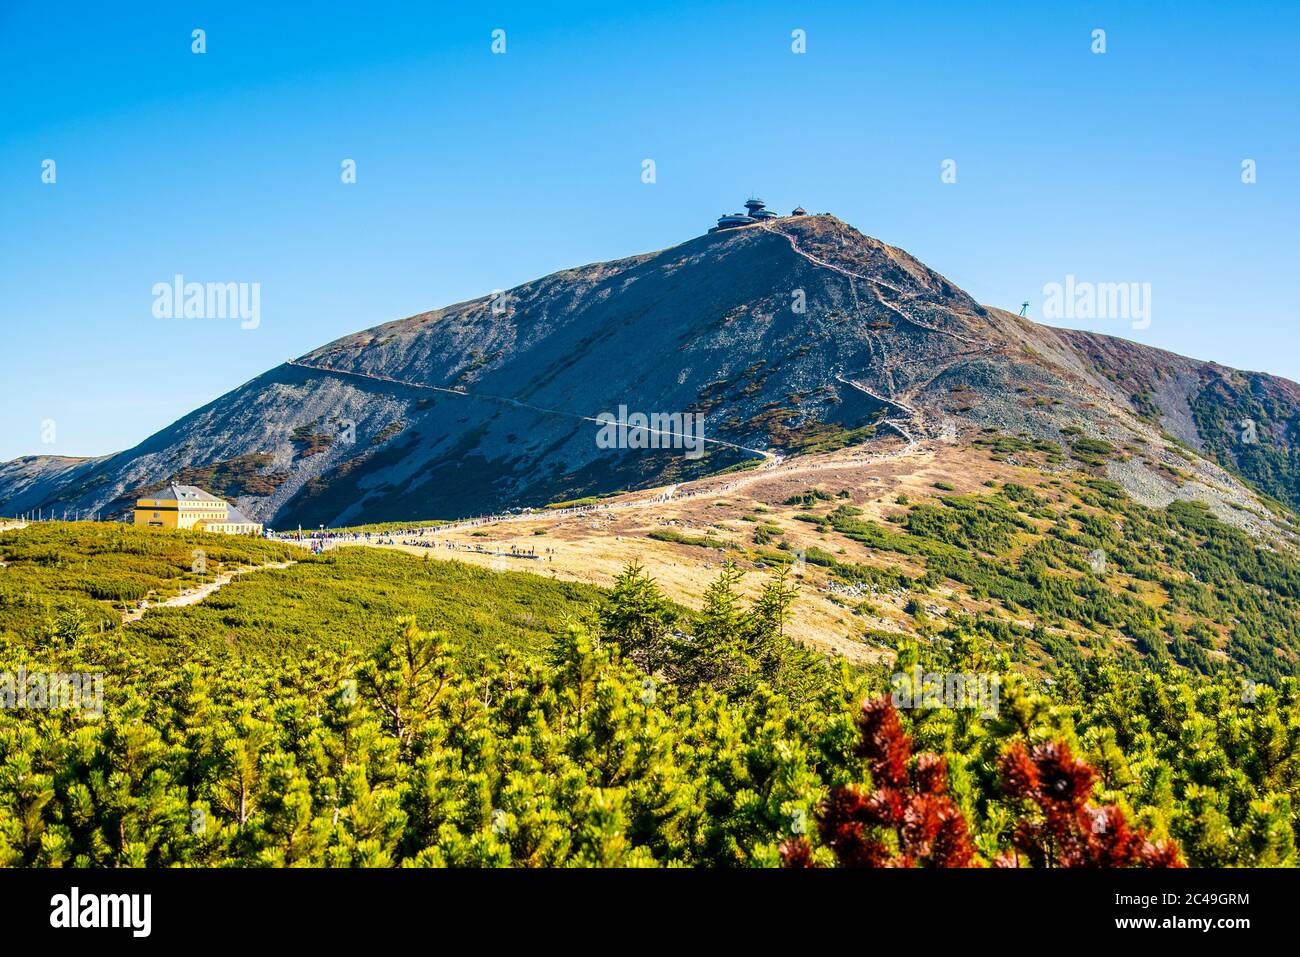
(912, 430)
(850, 275)
(655, 499)
(593, 546)
(193, 596)
(390, 380)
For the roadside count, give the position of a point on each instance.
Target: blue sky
(478, 171)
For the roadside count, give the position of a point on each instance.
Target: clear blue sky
(479, 171)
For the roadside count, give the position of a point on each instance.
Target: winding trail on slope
(913, 414)
(850, 275)
(656, 498)
(193, 596)
(773, 461)
(760, 453)
(916, 418)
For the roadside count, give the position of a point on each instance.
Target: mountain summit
(787, 334)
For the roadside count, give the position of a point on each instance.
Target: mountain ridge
(487, 404)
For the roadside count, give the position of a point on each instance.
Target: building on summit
(755, 211)
(187, 506)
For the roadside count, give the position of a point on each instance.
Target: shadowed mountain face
(795, 335)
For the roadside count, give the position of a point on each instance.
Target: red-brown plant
(907, 821)
(1070, 832)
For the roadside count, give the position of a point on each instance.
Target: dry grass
(594, 548)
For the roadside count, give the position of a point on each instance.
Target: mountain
(791, 335)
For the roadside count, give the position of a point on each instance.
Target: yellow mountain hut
(187, 506)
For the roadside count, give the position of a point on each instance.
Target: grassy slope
(1268, 453)
(1177, 586)
(98, 568)
(1188, 757)
(351, 595)
(60, 572)
(1174, 584)
(1170, 583)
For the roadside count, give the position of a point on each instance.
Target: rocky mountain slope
(794, 335)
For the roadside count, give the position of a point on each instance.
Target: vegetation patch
(706, 540)
(233, 478)
(310, 442)
(1093, 452)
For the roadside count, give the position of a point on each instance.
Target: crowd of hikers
(321, 539)
(420, 536)
(514, 551)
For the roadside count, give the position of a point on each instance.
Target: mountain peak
(786, 334)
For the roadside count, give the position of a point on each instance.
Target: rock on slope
(793, 335)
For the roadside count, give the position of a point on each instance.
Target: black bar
(807, 909)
